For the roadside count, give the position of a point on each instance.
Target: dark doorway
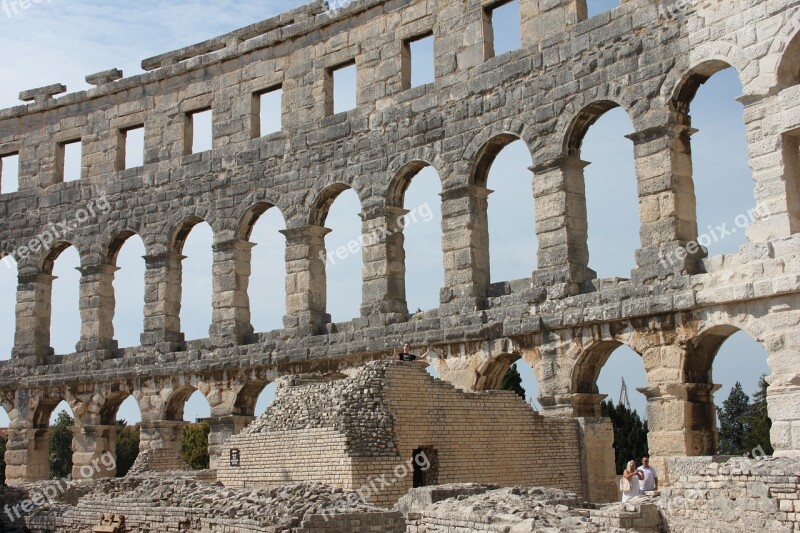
(426, 467)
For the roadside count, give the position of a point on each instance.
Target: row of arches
(719, 357)
(612, 213)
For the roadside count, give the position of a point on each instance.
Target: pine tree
(759, 421)
(3, 441)
(630, 433)
(195, 445)
(127, 447)
(513, 381)
(733, 425)
(60, 446)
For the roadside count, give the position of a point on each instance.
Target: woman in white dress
(630, 481)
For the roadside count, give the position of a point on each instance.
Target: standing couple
(632, 476)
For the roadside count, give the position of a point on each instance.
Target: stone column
(561, 227)
(27, 454)
(465, 245)
(231, 303)
(681, 421)
(97, 309)
(384, 278)
(93, 451)
(667, 203)
(597, 455)
(306, 289)
(587, 404)
(162, 302)
(222, 428)
(32, 337)
(162, 440)
(783, 407)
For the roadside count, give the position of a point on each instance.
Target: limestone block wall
(486, 437)
(741, 495)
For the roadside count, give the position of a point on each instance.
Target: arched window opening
(127, 419)
(422, 235)
(511, 213)
(723, 181)
(344, 256)
(732, 366)
(8, 312)
(5, 421)
(608, 377)
(789, 67)
(60, 441)
(265, 398)
(195, 435)
(65, 325)
(129, 290)
(195, 243)
(612, 200)
(267, 289)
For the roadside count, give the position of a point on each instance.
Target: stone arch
(114, 244)
(485, 156)
(788, 71)
(248, 218)
(46, 403)
(176, 401)
(183, 228)
(247, 397)
(581, 123)
(686, 86)
(322, 196)
(401, 180)
(112, 399)
(48, 261)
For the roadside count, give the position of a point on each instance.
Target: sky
(62, 41)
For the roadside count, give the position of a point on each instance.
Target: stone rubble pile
(355, 406)
(517, 510)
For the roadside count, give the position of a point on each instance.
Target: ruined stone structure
(647, 56)
(392, 419)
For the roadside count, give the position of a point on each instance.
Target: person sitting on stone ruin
(629, 483)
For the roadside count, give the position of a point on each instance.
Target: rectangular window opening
(132, 148)
(502, 28)
(267, 112)
(70, 162)
(199, 131)
(341, 88)
(418, 61)
(9, 173)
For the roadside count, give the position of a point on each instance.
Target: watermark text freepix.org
(49, 494)
(57, 231)
(12, 8)
(714, 234)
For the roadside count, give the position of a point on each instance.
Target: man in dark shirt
(406, 355)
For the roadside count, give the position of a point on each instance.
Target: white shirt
(649, 482)
(634, 492)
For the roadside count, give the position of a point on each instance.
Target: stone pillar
(162, 439)
(306, 289)
(384, 278)
(587, 404)
(667, 204)
(597, 455)
(27, 454)
(162, 302)
(93, 451)
(222, 428)
(231, 303)
(97, 309)
(561, 227)
(32, 337)
(783, 407)
(465, 245)
(681, 420)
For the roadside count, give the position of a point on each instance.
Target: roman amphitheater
(344, 414)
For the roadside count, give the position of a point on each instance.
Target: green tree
(195, 445)
(60, 446)
(513, 381)
(630, 433)
(734, 426)
(759, 421)
(127, 447)
(3, 441)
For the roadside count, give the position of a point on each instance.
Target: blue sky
(62, 41)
